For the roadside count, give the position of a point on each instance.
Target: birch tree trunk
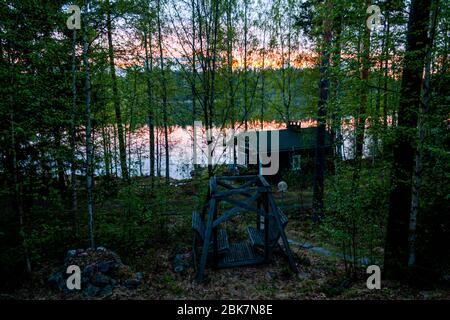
(89, 143)
(73, 164)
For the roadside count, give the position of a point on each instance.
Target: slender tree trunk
(319, 163)
(283, 74)
(247, 146)
(59, 162)
(245, 68)
(110, 151)
(131, 125)
(193, 86)
(231, 94)
(158, 152)
(386, 74)
(73, 164)
(116, 174)
(396, 248)
(106, 143)
(213, 69)
(381, 117)
(337, 116)
(164, 92)
(204, 59)
(89, 142)
(377, 121)
(106, 155)
(289, 67)
(18, 191)
(361, 116)
(139, 156)
(116, 98)
(151, 120)
(263, 80)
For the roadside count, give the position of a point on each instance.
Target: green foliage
(38, 221)
(355, 220)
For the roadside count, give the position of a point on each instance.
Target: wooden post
(208, 197)
(215, 247)
(206, 242)
(258, 217)
(283, 236)
(194, 252)
(266, 227)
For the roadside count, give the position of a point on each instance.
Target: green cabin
(296, 150)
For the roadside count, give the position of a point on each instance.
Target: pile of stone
(182, 262)
(102, 272)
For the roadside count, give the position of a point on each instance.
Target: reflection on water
(181, 149)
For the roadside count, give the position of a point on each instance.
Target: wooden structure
(243, 193)
(296, 148)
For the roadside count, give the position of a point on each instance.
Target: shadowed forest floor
(320, 276)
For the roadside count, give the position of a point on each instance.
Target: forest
(114, 115)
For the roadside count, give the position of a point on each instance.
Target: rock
(88, 271)
(115, 266)
(101, 279)
(71, 254)
(303, 276)
(270, 275)
(102, 271)
(107, 290)
(91, 290)
(181, 262)
(132, 283)
(56, 279)
(178, 268)
(106, 266)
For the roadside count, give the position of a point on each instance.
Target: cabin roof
(294, 139)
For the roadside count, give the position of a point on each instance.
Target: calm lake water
(181, 149)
